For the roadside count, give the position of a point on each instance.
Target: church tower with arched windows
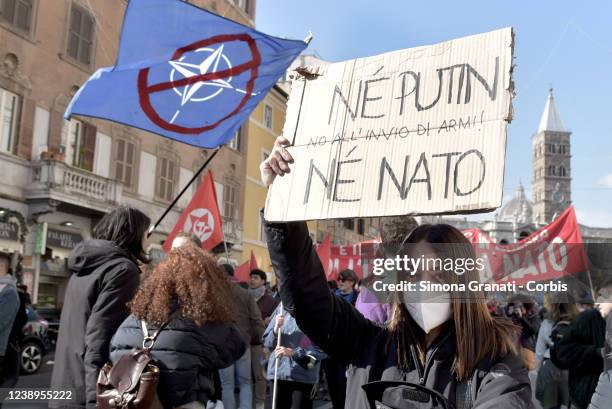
(551, 165)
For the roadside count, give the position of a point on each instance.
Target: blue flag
(185, 73)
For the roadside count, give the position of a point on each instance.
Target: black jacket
(580, 351)
(186, 355)
(344, 334)
(248, 316)
(603, 392)
(530, 325)
(104, 278)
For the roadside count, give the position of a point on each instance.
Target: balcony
(54, 182)
(232, 230)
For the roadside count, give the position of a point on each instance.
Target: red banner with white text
(554, 251)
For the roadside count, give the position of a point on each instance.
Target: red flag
(201, 217)
(243, 271)
(324, 253)
(553, 251)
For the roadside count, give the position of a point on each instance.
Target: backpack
(132, 382)
(559, 330)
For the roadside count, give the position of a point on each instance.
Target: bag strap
(149, 340)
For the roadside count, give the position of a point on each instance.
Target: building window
(236, 142)
(348, 224)
(229, 201)
(80, 35)
(262, 231)
(125, 159)
(562, 171)
(79, 144)
(18, 13)
(361, 226)
(9, 103)
(242, 5)
(268, 116)
(167, 175)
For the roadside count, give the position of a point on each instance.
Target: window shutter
(75, 20)
(86, 38)
(8, 10)
(73, 45)
(23, 14)
(162, 178)
(220, 190)
(240, 140)
(87, 27)
(88, 147)
(129, 164)
(73, 37)
(170, 189)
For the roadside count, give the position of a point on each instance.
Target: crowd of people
(219, 343)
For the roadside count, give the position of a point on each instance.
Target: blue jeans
(237, 375)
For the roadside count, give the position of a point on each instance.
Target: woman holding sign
(438, 354)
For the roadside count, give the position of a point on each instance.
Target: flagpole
(176, 199)
(591, 284)
(227, 258)
(276, 359)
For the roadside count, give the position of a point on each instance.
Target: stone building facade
(59, 177)
(551, 165)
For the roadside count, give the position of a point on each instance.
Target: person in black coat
(105, 276)
(581, 352)
(11, 367)
(187, 296)
(524, 315)
(603, 392)
(450, 347)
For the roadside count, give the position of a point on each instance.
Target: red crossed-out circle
(145, 90)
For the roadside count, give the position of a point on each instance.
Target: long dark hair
(477, 335)
(125, 226)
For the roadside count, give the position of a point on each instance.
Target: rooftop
(551, 119)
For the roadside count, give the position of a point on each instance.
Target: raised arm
(329, 322)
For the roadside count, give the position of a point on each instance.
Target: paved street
(42, 378)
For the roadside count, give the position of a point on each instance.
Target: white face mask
(431, 312)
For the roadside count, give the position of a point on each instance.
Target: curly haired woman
(187, 292)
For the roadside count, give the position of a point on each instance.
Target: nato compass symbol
(200, 72)
(214, 61)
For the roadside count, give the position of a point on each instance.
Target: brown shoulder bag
(132, 382)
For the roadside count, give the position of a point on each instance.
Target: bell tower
(551, 165)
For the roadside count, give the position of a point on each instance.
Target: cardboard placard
(415, 131)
